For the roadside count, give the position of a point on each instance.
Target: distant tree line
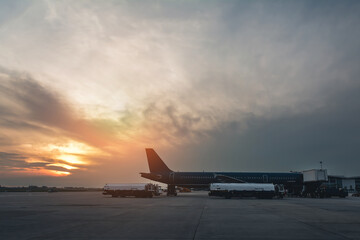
(32, 188)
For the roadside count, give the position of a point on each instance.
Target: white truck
(131, 190)
(258, 190)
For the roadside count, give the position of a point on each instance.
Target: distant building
(351, 184)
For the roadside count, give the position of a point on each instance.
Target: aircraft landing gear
(171, 190)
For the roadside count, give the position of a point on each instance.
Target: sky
(85, 86)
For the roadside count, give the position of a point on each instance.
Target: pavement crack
(198, 223)
(314, 226)
(310, 225)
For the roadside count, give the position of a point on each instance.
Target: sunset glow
(71, 148)
(34, 160)
(41, 172)
(86, 86)
(59, 173)
(69, 167)
(72, 159)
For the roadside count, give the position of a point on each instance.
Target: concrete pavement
(188, 216)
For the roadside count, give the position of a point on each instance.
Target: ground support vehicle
(258, 190)
(143, 190)
(328, 190)
(323, 190)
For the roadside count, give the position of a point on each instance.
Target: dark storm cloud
(312, 52)
(170, 123)
(26, 105)
(22, 125)
(15, 161)
(289, 142)
(4, 156)
(35, 101)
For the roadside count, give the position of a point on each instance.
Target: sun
(71, 159)
(62, 165)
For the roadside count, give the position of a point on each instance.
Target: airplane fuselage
(161, 173)
(204, 179)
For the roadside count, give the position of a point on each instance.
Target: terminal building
(317, 181)
(351, 184)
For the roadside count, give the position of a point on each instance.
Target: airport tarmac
(91, 215)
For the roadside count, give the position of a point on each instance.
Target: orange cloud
(39, 172)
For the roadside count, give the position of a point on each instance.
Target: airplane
(159, 172)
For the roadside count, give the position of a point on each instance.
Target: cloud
(224, 80)
(26, 104)
(287, 142)
(19, 164)
(34, 117)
